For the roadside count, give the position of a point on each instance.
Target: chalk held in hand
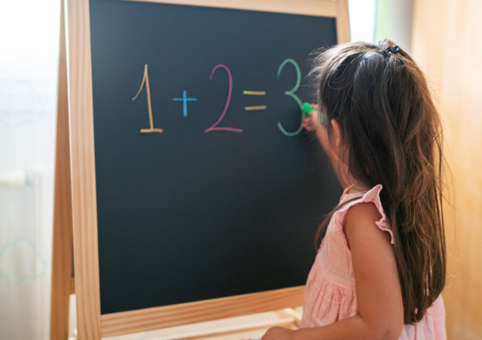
(307, 109)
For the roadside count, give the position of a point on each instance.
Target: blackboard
(203, 210)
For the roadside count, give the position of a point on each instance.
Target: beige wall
(447, 44)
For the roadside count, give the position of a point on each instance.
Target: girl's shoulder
(352, 197)
(334, 258)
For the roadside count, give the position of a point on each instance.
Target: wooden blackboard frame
(75, 207)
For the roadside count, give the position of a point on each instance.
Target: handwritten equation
(215, 127)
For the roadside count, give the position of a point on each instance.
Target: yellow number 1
(145, 80)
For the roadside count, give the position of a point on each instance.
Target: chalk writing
(145, 80)
(215, 127)
(184, 99)
(292, 94)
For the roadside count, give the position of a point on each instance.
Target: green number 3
(292, 94)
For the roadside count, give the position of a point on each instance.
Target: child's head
(378, 105)
(381, 102)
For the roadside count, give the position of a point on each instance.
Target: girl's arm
(378, 292)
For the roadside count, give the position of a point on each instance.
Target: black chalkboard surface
(226, 199)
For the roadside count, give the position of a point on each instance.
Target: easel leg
(62, 254)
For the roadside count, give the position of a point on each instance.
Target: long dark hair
(393, 136)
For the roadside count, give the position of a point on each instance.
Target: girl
(380, 269)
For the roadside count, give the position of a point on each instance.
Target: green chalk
(307, 109)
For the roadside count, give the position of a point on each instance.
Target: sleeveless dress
(330, 289)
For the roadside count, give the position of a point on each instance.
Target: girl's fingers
(314, 115)
(308, 123)
(311, 121)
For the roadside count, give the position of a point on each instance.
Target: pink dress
(330, 290)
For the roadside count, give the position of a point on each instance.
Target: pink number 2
(215, 127)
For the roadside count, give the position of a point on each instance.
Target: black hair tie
(389, 50)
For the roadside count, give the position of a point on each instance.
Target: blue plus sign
(184, 99)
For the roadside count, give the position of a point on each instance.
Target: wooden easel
(75, 219)
(62, 255)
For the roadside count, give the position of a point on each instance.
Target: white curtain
(29, 38)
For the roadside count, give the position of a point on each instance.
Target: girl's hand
(312, 121)
(278, 333)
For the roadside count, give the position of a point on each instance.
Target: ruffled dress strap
(371, 196)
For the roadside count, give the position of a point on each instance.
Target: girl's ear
(337, 138)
